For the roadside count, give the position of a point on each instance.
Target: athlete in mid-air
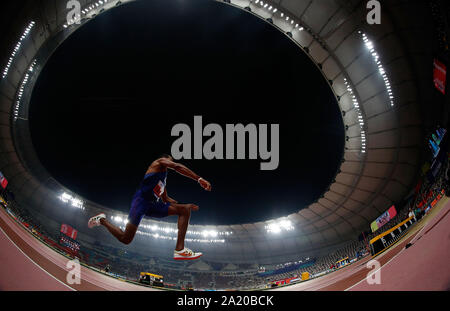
(151, 200)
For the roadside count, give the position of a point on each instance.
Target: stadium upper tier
(378, 73)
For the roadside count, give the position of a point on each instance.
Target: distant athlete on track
(151, 200)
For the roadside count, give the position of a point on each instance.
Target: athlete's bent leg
(123, 236)
(184, 213)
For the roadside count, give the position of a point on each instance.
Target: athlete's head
(167, 156)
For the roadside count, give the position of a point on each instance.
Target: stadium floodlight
(212, 233)
(286, 224)
(65, 197)
(76, 202)
(164, 232)
(280, 225)
(275, 229)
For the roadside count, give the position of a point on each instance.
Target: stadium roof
(378, 73)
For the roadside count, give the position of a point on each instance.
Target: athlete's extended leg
(184, 213)
(123, 236)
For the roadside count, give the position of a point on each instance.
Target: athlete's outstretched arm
(183, 170)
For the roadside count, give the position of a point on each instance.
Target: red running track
(421, 267)
(28, 264)
(424, 265)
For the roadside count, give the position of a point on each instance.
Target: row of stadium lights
(369, 45)
(360, 118)
(274, 10)
(274, 227)
(17, 47)
(164, 237)
(277, 227)
(85, 11)
(376, 58)
(167, 230)
(75, 202)
(21, 89)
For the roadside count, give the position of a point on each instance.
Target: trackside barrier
(386, 239)
(383, 241)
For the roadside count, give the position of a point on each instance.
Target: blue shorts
(141, 207)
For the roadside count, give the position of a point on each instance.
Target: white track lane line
(35, 262)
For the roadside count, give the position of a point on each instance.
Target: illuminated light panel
(75, 202)
(279, 226)
(17, 47)
(274, 10)
(21, 89)
(164, 232)
(360, 117)
(376, 58)
(174, 238)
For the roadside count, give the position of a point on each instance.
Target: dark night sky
(106, 101)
